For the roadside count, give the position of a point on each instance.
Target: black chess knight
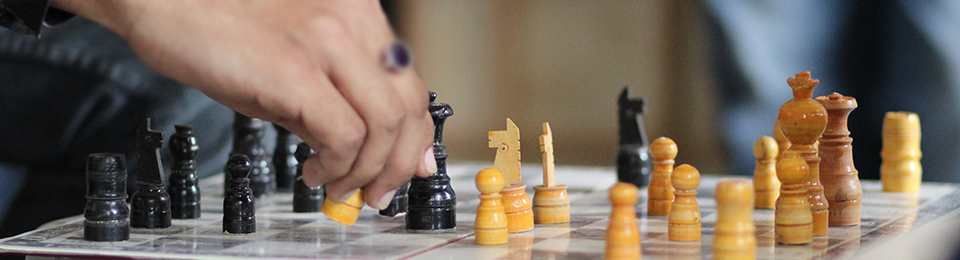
(106, 215)
(305, 199)
(284, 161)
(183, 188)
(431, 201)
(238, 203)
(248, 136)
(633, 160)
(150, 204)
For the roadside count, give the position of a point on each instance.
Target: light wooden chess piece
(734, 237)
(794, 222)
(765, 181)
(803, 120)
(515, 199)
(623, 237)
(782, 143)
(900, 170)
(841, 185)
(684, 218)
(491, 222)
(660, 191)
(345, 212)
(551, 204)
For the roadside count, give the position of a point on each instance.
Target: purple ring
(397, 57)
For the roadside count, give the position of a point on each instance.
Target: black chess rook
(284, 161)
(183, 189)
(106, 215)
(431, 201)
(633, 160)
(305, 199)
(238, 203)
(248, 136)
(150, 204)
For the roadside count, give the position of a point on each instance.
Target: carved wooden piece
(841, 185)
(803, 120)
(765, 182)
(623, 237)
(660, 191)
(518, 207)
(345, 212)
(734, 236)
(491, 222)
(900, 170)
(507, 143)
(684, 219)
(793, 220)
(551, 204)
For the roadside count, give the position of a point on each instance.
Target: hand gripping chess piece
(491, 222)
(515, 200)
(623, 237)
(734, 236)
(106, 215)
(684, 218)
(841, 185)
(551, 204)
(305, 199)
(633, 164)
(803, 120)
(150, 204)
(238, 204)
(765, 181)
(793, 220)
(900, 170)
(431, 201)
(660, 192)
(184, 189)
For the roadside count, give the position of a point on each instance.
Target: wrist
(117, 15)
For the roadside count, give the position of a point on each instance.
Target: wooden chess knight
(633, 162)
(150, 204)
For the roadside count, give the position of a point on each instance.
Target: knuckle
(328, 27)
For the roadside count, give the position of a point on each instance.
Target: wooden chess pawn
(623, 237)
(238, 203)
(551, 204)
(900, 170)
(684, 218)
(803, 120)
(841, 186)
(734, 238)
(765, 181)
(491, 222)
(794, 223)
(345, 212)
(660, 191)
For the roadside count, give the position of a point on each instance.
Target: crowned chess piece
(633, 164)
(184, 190)
(106, 215)
(803, 120)
(150, 204)
(431, 201)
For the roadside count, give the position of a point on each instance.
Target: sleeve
(27, 16)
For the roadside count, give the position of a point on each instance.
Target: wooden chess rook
(660, 192)
(900, 170)
(765, 182)
(491, 222)
(793, 220)
(684, 219)
(803, 120)
(734, 236)
(106, 216)
(551, 204)
(623, 237)
(841, 185)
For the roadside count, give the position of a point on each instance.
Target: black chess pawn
(238, 203)
(633, 160)
(305, 199)
(284, 162)
(431, 201)
(183, 188)
(106, 215)
(150, 204)
(398, 205)
(248, 136)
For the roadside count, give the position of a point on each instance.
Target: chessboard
(282, 234)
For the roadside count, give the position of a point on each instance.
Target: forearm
(117, 15)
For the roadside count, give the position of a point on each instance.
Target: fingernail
(430, 161)
(384, 201)
(347, 196)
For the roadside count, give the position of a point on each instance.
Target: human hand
(312, 67)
